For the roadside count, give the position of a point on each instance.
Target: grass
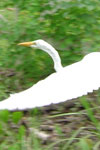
(82, 132)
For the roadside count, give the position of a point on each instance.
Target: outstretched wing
(71, 82)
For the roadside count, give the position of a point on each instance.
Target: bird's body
(67, 83)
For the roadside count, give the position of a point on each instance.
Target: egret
(64, 84)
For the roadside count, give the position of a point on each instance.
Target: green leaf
(4, 115)
(85, 144)
(16, 116)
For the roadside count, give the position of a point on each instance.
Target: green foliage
(16, 117)
(21, 132)
(90, 113)
(85, 144)
(72, 27)
(4, 115)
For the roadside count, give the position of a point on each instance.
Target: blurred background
(72, 27)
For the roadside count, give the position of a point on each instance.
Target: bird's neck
(55, 56)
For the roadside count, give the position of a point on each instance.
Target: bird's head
(41, 44)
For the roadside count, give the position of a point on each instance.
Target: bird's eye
(34, 43)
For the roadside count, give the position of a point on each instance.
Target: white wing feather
(71, 82)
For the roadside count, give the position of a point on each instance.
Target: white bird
(66, 83)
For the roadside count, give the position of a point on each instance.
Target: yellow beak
(26, 43)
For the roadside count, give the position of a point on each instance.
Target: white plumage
(66, 83)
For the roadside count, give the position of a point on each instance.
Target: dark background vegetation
(71, 26)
